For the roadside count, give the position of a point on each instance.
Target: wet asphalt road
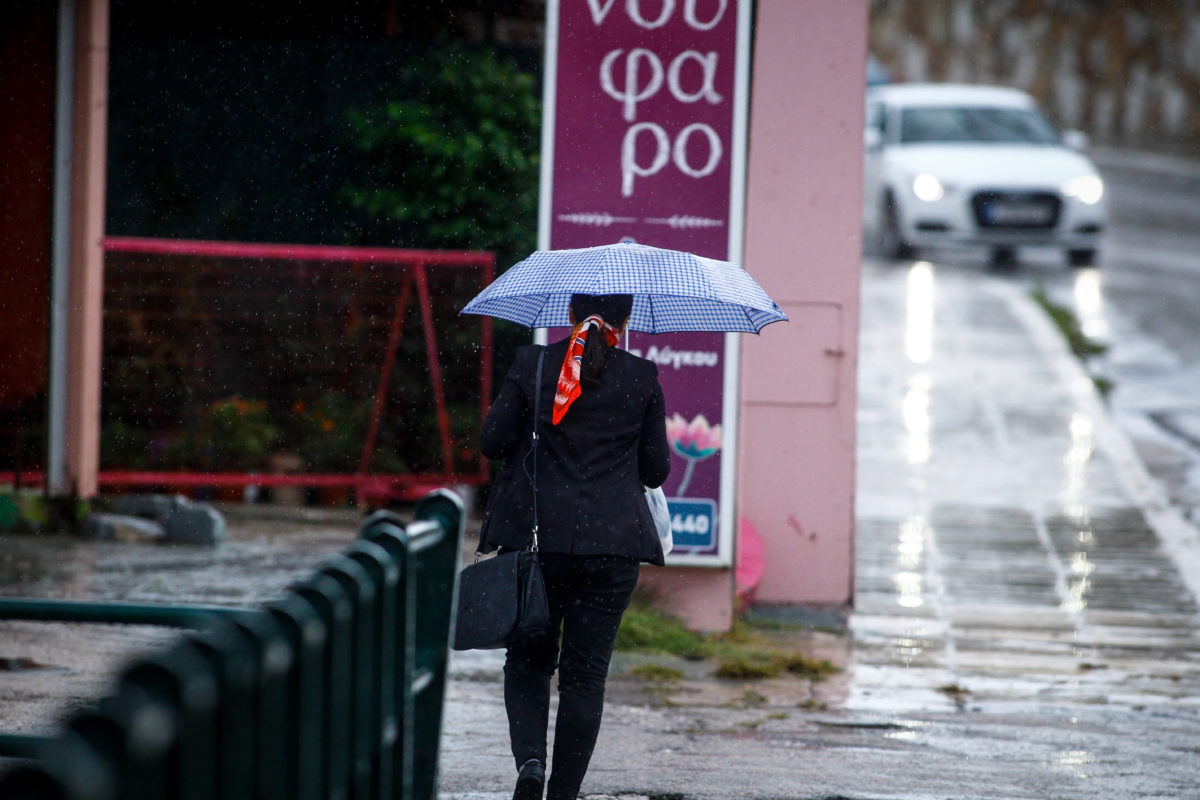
(1006, 557)
(1142, 301)
(1149, 313)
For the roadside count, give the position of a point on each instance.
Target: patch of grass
(749, 699)
(1081, 345)
(958, 694)
(748, 666)
(1063, 317)
(806, 667)
(645, 629)
(758, 665)
(656, 672)
(742, 632)
(747, 652)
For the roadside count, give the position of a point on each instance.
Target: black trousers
(588, 595)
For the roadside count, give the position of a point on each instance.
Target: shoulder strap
(537, 412)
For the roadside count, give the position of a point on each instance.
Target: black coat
(591, 466)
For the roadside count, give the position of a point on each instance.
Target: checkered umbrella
(672, 290)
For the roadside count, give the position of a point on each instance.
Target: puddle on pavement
(874, 725)
(29, 559)
(20, 664)
(257, 562)
(1076, 762)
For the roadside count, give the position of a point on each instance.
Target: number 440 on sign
(693, 523)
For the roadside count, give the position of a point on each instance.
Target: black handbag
(504, 597)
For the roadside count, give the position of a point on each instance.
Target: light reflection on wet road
(1009, 590)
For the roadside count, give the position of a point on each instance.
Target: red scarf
(568, 378)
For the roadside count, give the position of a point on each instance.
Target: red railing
(156, 290)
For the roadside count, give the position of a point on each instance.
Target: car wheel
(1083, 257)
(891, 240)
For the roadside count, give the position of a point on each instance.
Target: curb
(1180, 539)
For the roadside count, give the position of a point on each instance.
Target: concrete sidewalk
(1025, 623)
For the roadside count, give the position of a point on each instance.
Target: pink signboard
(644, 140)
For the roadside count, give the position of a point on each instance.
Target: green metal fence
(333, 691)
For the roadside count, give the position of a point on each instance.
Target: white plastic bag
(657, 500)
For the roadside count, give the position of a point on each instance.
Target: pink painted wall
(701, 597)
(803, 240)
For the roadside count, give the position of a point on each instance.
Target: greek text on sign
(635, 75)
(601, 9)
(666, 357)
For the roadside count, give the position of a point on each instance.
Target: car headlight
(928, 188)
(1086, 188)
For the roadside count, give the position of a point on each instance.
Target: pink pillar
(803, 236)
(88, 152)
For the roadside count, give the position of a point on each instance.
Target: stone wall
(1127, 72)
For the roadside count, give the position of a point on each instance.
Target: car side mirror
(872, 139)
(1076, 140)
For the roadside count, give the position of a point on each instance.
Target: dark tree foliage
(451, 161)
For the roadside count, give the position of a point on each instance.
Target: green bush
(451, 159)
(329, 434)
(233, 434)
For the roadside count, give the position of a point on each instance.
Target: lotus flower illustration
(695, 441)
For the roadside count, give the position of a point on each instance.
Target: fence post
(387, 530)
(182, 681)
(333, 607)
(273, 661)
(437, 585)
(304, 732)
(359, 676)
(446, 508)
(135, 732)
(36, 782)
(231, 657)
(427, 552)
(386, 575)
(69, 770)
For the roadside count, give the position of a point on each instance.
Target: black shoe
(530, 781)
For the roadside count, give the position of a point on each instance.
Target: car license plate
(1002, 212)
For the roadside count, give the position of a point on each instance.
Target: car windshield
(978, 124)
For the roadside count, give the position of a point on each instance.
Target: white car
(952, 164)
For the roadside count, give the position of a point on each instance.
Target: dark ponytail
(613, 309)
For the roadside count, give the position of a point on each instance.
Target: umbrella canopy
(672, 290)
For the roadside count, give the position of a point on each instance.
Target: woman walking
(602, 438)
